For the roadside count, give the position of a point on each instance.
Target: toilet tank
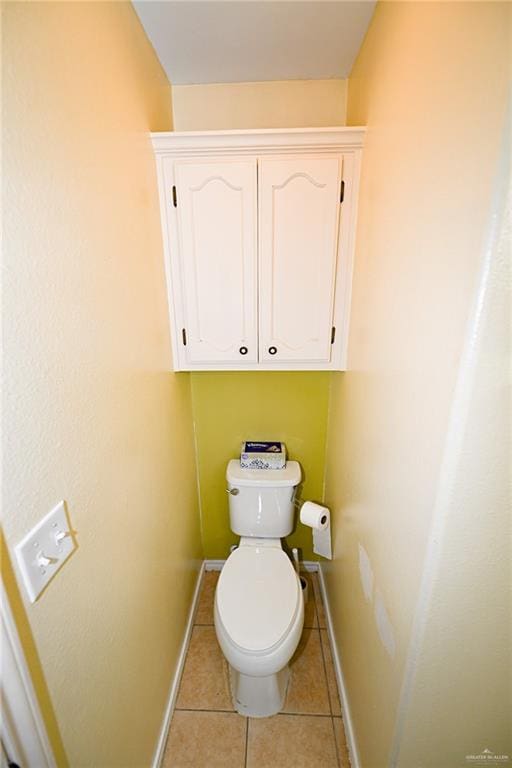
(261, 500)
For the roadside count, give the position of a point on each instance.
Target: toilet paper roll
(318, 518)
(314, 515)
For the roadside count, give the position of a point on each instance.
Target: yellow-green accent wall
(230, 407)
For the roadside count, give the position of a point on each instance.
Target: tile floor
(205, 730)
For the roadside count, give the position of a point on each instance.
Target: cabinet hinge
(174, 197)
(184, 337)
(333, 334)
(342, 191)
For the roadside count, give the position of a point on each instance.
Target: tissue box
(262, 455)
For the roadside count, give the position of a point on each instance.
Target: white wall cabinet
(258, 230)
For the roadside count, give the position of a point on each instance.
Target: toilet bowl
(259, 607)
(259, 615)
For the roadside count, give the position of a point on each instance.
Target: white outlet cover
(44, 550)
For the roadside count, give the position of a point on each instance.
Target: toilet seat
(258, 597)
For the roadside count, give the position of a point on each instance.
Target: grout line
(341, 760)
(324, 629)
(234, 712)
(312, 588)
(325, 670)
(335, 744)
(337, 692)
(246, 740)
(302, 714)
(329, 695)
(219, 711)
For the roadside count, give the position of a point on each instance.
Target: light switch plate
(44, 550)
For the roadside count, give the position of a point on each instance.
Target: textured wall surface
(91, 412)
(430, 84)
(277, 104)
(231, 407)
(462, 650)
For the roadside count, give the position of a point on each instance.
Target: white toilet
(259, 608)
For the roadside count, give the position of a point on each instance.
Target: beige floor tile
(319, 603)
(204, 613)
(307, 689)
(332, 685)
(206, 740)
(310, 617)
(204, 684)
(291, 741)
(341, 742)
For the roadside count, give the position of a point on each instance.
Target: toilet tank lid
(288, 476)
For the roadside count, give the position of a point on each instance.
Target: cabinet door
(299, 202)
(216, 209)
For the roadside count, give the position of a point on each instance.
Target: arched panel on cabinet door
(299, 201)
(216, 214)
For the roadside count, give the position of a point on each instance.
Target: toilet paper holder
(317, 517)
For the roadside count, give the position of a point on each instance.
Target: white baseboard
(345, 707)
(173, 691)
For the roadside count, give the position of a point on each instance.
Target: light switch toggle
(60, 536)
(43, 560)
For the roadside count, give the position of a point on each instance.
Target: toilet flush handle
(233, 491)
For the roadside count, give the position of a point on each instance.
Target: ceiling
(200, 41)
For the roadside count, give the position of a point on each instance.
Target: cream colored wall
(92, 414)
(430, 84)
(276, 104)
(459, 683)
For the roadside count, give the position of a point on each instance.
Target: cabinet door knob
(272, 350)
(243, 350)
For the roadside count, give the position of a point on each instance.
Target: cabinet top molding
(261, 141)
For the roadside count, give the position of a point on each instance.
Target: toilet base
(259, 696)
